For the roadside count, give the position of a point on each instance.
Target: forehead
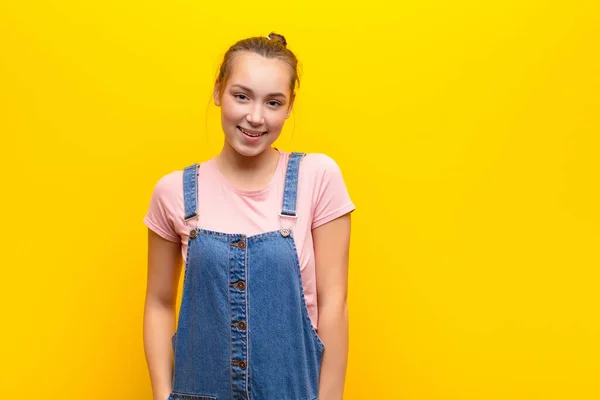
(262, 75)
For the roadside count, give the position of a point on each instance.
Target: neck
(233, 164)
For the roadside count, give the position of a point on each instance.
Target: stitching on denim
(235, 235)
(247, 301)
(264, 235)
(290, 186)
(252, 238)
(185, 178)
(187, 258)
(185, 279)
(230, 317)
(185, 396)
(215, 233)
(304, 306)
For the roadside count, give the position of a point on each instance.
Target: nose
(255, 117)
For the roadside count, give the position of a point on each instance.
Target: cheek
(231, 111)
(277, 120)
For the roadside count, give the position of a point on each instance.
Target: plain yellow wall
(467, 133)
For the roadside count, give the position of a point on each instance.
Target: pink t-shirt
(322, 197)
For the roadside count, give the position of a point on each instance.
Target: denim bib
(243, 330)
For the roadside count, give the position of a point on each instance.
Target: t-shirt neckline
(251, 193)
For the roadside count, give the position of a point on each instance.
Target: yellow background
(467, 133)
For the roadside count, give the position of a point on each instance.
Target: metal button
(241, 245)
(242, 364)
(240, 285)
(242, 325)
(285, 232)
(193, 233)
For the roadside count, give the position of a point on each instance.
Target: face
(255, 102)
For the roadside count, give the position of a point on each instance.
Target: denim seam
(264, 235)
(304, 306)
(177, 395)
(187, 257)
(230, 317)
(252, 238)
(185, 278)
(247, 297)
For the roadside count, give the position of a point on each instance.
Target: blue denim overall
(244, 331)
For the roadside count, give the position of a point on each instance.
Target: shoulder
(168, 189)
(319, 164)
(321, 172)
(329, 196)
(170, 182)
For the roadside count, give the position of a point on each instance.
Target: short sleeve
(332, 197)
(161, 211)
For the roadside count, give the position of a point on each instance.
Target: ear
(292, 99)
(217, 94)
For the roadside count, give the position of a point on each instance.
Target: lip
(250, 139)
(252, 131)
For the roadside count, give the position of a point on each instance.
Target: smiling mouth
(251, 134)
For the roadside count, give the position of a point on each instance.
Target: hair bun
(277, 38)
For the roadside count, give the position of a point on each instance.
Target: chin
(248, 151)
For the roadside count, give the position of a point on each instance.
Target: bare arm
(164, 268)
(332, 241)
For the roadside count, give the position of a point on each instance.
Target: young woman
(263, 236)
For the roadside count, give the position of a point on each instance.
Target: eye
(274, 103)
(240, 96)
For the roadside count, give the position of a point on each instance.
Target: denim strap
(190, 190)
(291, 184)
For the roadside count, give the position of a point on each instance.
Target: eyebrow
(276, 94)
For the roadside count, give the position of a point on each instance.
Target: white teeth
(251, 134)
